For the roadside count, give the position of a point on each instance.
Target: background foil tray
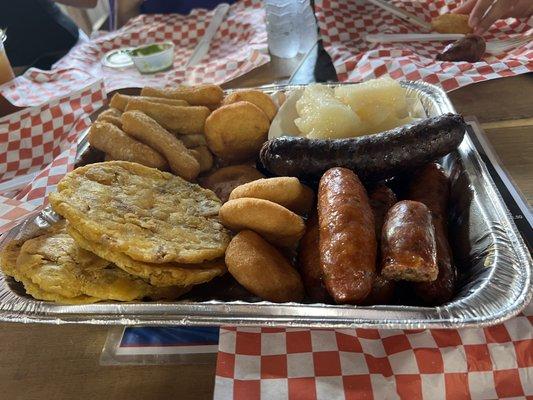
(493, 260)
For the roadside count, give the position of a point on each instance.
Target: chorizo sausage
(347, 236)
(431, 187)
(408, 249)
(381, 199)
(309, 261)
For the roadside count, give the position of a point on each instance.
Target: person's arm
(78, 3)
(483, 13)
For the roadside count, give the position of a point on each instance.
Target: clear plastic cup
(6, 72)
(307, 28)
(282, 29)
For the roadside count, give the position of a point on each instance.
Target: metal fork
(496, 47)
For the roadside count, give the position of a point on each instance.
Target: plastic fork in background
(412, 37)
(496, 47)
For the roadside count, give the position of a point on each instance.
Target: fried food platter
(494, 282)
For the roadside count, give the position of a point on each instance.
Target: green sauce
(147, 50)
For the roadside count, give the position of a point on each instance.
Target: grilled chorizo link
(381, 198)
(408, 250)
(431, 187)
(309, 261)
(347, 236)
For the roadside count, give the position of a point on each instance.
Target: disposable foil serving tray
(494, 264)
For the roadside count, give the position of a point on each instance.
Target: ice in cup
(6, 72)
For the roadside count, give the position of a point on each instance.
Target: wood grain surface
(62, 362)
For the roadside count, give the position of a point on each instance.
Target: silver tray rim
(15, 308)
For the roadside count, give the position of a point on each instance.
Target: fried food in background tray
(199, 95)
(235, 132)
(120, 146)
(285, 191)
(149, 215)
(51, 266)
(451, 23)
(185, 120)
(111, 115)
(257, 97)
(262, 269)
(120, 101)
(224, 180)
(274, 222)
(148, 131)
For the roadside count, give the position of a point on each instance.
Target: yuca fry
(204, 157)
(148, 131)
(120, 146)
(111, 115)
(183, 120)
(192, 141)
(201, 95)
(120, 101)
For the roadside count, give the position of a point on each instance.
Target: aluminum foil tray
(493, 261)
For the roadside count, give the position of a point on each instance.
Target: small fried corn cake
(146, 214)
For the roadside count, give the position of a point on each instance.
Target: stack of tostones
(131, 232)
(51, 266)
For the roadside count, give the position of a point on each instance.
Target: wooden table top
(62, 362)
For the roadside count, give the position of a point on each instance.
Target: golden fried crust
(111, 115)
(451, 23)
(192, 141)
(183, 120)
(204, 157)
(149, 215)
(199, 95)
(58, 266)
(120, 146)
(275, 223)
(148, 131)
(236, 132)
(260, 99)
(224, 180)
(285, 191)
(167, 274)
(120, 101)
(262, 269)
(8, 260)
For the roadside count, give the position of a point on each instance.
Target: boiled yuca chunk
(322, 116)
(377, 102)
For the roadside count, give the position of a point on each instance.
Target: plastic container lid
(118, 58)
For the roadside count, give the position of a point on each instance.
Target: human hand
(483, 13)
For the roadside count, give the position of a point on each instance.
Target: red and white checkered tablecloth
(239, 46)
(343, 25)
(303, 364)
(42, 141)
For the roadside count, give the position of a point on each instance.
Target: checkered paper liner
(343, 25)
(239, 46)
(474, 363)
(42, 141)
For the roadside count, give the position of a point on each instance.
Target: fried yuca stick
(120, 146)
(201, 95)
(184, 120)
(148, 131)
(120, 101)
(111, 115)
